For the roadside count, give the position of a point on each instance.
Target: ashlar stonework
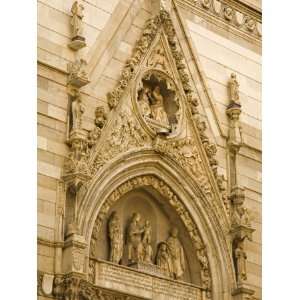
(149, 201)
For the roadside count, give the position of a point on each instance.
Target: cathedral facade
(149, 150)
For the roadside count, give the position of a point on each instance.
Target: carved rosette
(174, 201)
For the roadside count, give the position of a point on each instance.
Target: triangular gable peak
(175, 129)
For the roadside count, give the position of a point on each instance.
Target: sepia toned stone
(149, 155)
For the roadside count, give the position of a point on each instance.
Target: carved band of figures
(238, 18)
(170, 256)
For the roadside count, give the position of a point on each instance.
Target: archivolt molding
(146, 164)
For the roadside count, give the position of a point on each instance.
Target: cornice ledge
(240, 17)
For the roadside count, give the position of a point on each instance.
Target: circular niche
(157, 103)
(153, 210)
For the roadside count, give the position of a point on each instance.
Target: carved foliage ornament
(174, 201)
(127, 133)
(133, 136)
(150, 30)
(71, 288)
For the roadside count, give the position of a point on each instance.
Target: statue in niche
(163, 259)
(157, 106)
(233, 86)
(116, 238)
(177, 254)
(135, 244)
(77, 111)
(148, 252)
(76, 21)
(240, 258)
(158, 102)
(144, 101)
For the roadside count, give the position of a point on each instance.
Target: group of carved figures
(152, 105)
(170, 254)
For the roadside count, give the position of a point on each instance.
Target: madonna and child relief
(168, 258)
(158, 103)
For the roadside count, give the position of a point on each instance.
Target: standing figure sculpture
(163, 259)
(76, 21)
(135, 244)
(177, 254)
(116, 238)
(240, 258)
(77, 111)
(144, 102)
(157, 107)
(233, 86)
(148, 252)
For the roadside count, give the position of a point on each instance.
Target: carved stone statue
(163, 259)
(76, 21)
(157, 107)
(233, 86)
(147, 233)
(148, 252)
(177, 254)
(77, 111)
(135, 244)
(116, 238)
(144, 102)
(240, 216)
(240, 258)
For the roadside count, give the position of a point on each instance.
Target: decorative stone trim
(72, 287)
(236, 15)
(175, 202)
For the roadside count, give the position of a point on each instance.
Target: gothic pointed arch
(146, 170)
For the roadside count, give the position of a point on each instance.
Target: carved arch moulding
(144, 181)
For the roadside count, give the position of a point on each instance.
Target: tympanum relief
(158, 102)
(170, 256)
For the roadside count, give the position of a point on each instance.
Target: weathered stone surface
(115, 162)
